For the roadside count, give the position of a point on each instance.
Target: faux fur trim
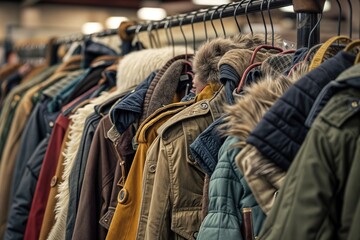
(136, 66)
(75, 134)
(250, 107)
(205, 64)
(254, 102)
(264, 188)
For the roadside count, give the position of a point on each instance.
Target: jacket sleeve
(308, 193)
(158, 225)
(20, 208)
(229, 193)
(223, 220)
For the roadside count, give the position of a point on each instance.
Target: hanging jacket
(20, 207)
(281, 132)
(322, 190)
(126, 216)
(174, 210)
(229, 192)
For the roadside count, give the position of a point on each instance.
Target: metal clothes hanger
(148, 30)
(263, 20)
(204, 20)
(253, 65)
(192, 29)
(247, 17)
(182, 32)
(166, 27)
(221, 20)
(351, 18)
(235, 14)
(211, 19)
(137, 30)
(171, 36)
(339, 17)
(157, 34)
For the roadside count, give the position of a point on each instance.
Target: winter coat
(20, 207)
(126, 216)
(321, 190)
(281, 132)
(229, 192)
(174, 210)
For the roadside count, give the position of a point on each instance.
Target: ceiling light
(114, 22)
(148, 13)
(91, 27)
(211, 2)
(327, 7)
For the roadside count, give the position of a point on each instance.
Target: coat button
(354, 104)
(53, 181)
(123, 196)
(51, 124)
(204, 106)
(152, 168)
(195, 234)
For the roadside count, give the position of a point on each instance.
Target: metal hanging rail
(236, 8)
(82, 37)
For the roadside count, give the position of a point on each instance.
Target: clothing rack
(82, 37)
(307, 17)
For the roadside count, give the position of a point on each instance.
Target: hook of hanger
(221, 21)
(271, 24)
(211, 20)
(339, 17)
(204, 20)
(150, 34)
(182, 32)
(247, 17)
(192, 29)
(314, 28)
(351, 18)
(158, 45)
(263, 19)
(166, 26)
(171, 35)
(137, 30)
(235, 15)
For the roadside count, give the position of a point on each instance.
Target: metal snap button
(123, 196)
(51, 124)
(204, 106)
(195, 234)
(354, 104)
(53, 181)
(152, 168)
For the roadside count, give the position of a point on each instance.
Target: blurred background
(38, 20)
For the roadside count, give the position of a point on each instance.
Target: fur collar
(254, 102)
(205, 64)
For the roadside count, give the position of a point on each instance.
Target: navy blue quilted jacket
(279, 135)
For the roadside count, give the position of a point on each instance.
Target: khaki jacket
(173, 183)
(124, 224)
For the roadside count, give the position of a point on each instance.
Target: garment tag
(184, 77)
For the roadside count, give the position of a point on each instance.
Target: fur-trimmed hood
(205, 64)
(255, 101)
(252, 104)
(136, 66)
(243, 117)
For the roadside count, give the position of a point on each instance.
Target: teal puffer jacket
(228, 195)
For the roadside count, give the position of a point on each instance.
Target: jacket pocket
(186, 223)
